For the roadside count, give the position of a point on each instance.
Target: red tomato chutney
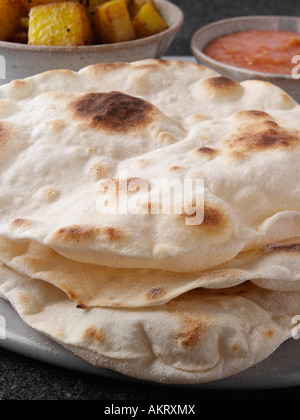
(262, 51)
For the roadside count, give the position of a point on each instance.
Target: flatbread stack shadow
(147, 294)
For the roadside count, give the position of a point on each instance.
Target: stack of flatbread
(146, 293)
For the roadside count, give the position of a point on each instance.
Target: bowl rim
(246, 72)
(103, 47)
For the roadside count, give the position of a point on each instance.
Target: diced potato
(60, 24)
(29, 4)
(135, 6)
(113, 22)
(91, 5)
(148, 22)
(10, 13)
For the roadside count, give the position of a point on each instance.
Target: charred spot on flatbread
(94, 334)
(215, 220)
(253, 114)
(176, 168)
(113, 234)
(282, 248)
(50, 194)
(268, 333)
(266, 136)
(18, 84)
(206, 152)
(222, 87)
(213, 217)
(113, 112)
(6, 134)
(80, 233)
(76, 233)
(155, 292)
(192, 332)
(98, 171)
(21, 223)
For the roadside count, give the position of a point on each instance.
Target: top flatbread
(62, 133)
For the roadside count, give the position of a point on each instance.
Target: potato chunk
(10, 13)
(92, 4)
(60, 24)
(148, 22)
(135, 6)
(29, 4)
(113, 22)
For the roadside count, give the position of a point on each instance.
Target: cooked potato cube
(10, 13)
(91, 5)
(148, 22)
(135, 6)
(29, 4)
(113, 22)
(60, 24)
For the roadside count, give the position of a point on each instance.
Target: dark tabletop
(27, 379)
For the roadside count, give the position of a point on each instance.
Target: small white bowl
(27, 60)
(229, 26)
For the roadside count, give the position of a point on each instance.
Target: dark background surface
(26, 379)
